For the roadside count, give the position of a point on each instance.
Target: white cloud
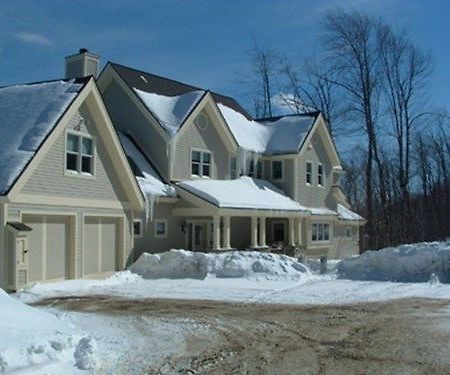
(34, 38)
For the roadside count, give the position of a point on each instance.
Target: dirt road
(410, 336)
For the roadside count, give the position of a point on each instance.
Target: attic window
(201, 163)
(79, 154)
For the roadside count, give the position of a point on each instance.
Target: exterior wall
(127, 118)
(175, 239)
(313, 195)
(240, 236)
(343, 246)
(208, 139)
(16, 211)
(287, 184)
(50, 178)
(3, 254)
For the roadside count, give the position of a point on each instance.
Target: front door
(199, 237)
(278, 232)
(21, 261)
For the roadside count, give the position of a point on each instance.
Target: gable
(112, 181)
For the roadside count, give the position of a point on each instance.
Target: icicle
(149, 207)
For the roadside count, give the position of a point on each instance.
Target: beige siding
(176, 239)
(287, 184)
(342, 245)
(127, 117)
(314, 196)
(240, 235)
(208, 139)
(49, 178)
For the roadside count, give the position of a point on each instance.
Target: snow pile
(235, 264)
(243, 192)
(406, 263)
(182, 264)
(174, 264)
(283, 135)
(30, 337)
(171, 111)
(28, 113)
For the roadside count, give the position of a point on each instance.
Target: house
(67, 193)
(214, 178)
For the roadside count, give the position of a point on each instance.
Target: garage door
(48, 247)
(101, 239)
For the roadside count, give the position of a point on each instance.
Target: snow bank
(406, 263)
(30, 337)
(181, 264)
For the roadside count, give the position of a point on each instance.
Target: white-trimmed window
(309, 172)
(348, 232)
(277, 170)
(233, 168)
(320, 232)
(201, 163)
(161, 228)
(320, 175)
(137, 228)
(79, 154)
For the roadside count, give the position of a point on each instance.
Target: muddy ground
(410, 336)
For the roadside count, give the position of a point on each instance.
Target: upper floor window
(320, 175)
(161, 228)
(201, 163)
(320, 232)
(277, 170)
(308, 173)
(79, 154)
(233, 168)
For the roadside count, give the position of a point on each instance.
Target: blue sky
(204, 43)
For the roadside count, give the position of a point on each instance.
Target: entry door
(198, 239)
(21, 261)
(278, 232)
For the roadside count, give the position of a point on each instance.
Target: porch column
(262, 232)
(298, 228)
(254, 232)
(291, 230)
(216, 233)
(226, 232)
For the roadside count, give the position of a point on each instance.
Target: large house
(95, 172)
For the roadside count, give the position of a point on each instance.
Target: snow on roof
(244, 192)
(346, 214)
(321, 211)
(283, 135)
(28, 113)
(171, 111)
(148, 179)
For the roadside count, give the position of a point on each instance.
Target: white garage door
(48, 247)
(100, 243)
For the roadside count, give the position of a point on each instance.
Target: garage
(101, 244)
(49, 242)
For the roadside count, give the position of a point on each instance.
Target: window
(160, 228)
(320, 175)
(320, 232)
(137, 228)
(259, 169)
(348, 232)
(233, 168)
(308, 173)
(201, 163)
(277, 170)
(79, 154)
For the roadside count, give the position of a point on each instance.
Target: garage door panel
(109, 244)
(57, 247)
(91, 245)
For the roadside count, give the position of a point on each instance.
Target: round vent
(202, 121)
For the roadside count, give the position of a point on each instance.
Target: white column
(262, 232)
(254, 232)
(291, 232)
(216, 233)
(298, 228)
(226, 232)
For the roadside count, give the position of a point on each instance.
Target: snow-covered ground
(61, 341)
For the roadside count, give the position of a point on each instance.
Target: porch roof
(346, 214)
(244, 193)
